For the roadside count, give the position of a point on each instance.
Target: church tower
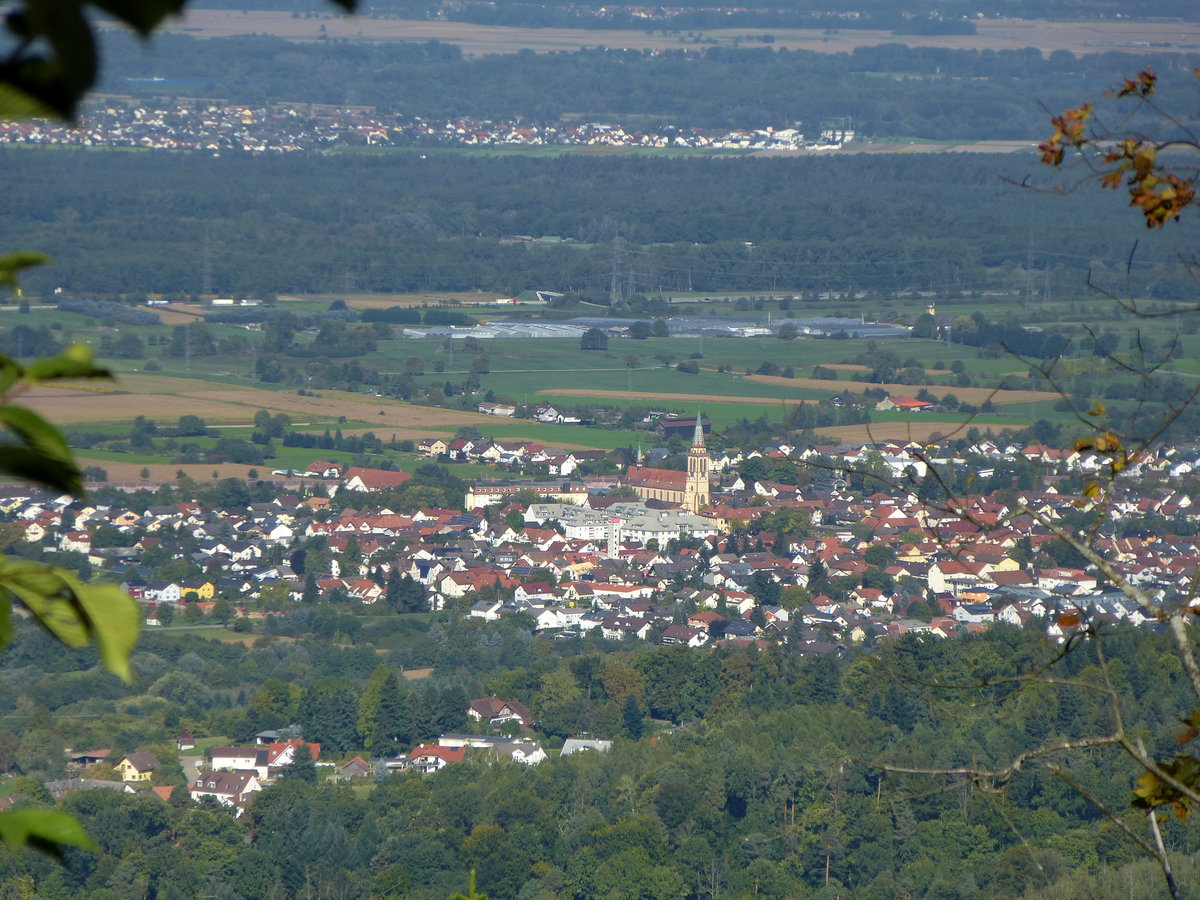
(696, 488)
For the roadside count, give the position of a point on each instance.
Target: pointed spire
(698, 438)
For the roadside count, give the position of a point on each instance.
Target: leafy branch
(1133, 160)
(75, 612)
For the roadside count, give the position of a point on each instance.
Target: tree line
(767, 785)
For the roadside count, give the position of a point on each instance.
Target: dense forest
(146, 221)
(760, 781)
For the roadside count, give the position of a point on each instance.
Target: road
(191, 767)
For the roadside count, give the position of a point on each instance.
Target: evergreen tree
(631, 717)
(405, 594)
(329, 714)
(303, 766)
(780, 546)
(385, 721)
(448, 709)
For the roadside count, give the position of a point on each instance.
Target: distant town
(283, 128)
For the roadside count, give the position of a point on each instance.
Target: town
(704, 557)
(283, 128)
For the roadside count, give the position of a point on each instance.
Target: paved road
(191, 767)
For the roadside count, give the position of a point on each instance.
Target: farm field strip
(975, 395)
(166, 398)
(889, 431)
(664, 396)
(1000, 34)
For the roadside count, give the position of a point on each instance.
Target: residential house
(684, 634)
(428, 758)
(355, 768)
(233, 789)
(496, 712)
(361, 479)
(578, 745)
(614, 628)
(138, 766)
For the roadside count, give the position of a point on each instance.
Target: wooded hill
(760, 783)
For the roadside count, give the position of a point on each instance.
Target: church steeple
(696, 488)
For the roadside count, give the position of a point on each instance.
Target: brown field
(973, 395)
(164, 474)
(174, 315)
(247, 640)
(383, 301)
(416, 674)
(890, 431)
(662, 395)
(976, 396)
(476, 40)
(165, 398)
(416, 434)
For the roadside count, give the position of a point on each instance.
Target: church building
(689, 489)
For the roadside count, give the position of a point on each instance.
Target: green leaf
(115, 619)
(141, 15)
(63, 24)
(76, 361)
(29, 465)
(74, 612)
(35, 432)
(46, 829)
(12, 263)
(16, 103)
(10, 373)
(5, 621)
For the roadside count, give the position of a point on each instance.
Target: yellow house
(137, 766)
(203, 591)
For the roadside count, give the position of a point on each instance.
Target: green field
(531, 372)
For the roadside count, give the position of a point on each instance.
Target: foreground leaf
(77, 613)
(12, 263)
(45, 829)
(76, 361)
(51, 459)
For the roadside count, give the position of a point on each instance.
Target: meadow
(640, 374)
